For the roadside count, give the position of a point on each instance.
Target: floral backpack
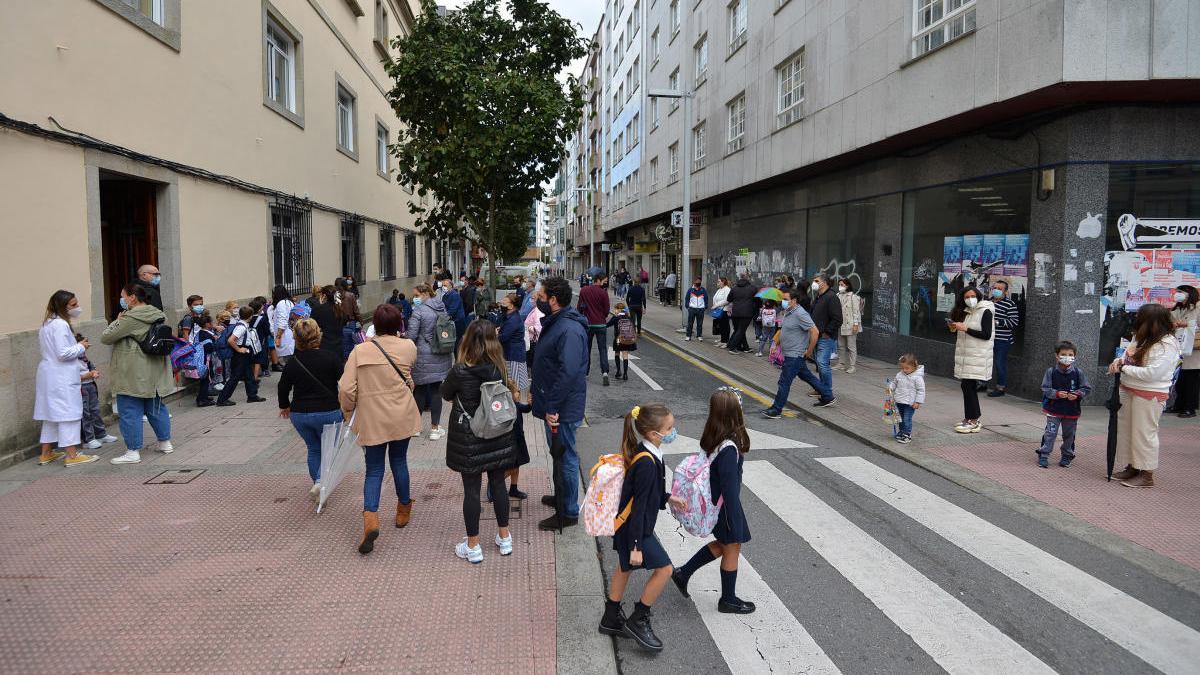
(603, 498)
(692, 484)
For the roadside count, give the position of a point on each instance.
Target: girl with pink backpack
(725, 436)
(643, 495)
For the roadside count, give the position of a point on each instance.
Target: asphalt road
(868, 564)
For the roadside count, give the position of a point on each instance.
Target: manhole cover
(175, 477)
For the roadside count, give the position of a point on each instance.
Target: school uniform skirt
(654, 555)
(618, 347)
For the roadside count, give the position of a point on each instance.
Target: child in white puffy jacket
(908, 391)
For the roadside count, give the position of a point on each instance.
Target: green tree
(485, 111)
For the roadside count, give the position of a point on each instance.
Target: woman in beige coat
(974, 319)
(376, 389)
(852, 306)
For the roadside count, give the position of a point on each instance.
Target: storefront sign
(1165, 231)
(645, 247)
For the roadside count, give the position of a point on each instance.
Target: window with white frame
(698, 150)
(629, 26)
(155, 10)
(633, 183)
(381, 26)
(635, 71)
(653, 173)
(621, 93)
(790, 78)
(629, 80)
(674, 17)
(653, 114)
(628, 136)
(633, 127)
(737, 123)
(616, 149)
(654, 46)
(780, 3)
(620, 48)
(346, 113)
(737, 24)
(936, 22)
(637, 15)
(673, 162)
(281, 49)
(382, 164)
(673, 85)
(700, 55)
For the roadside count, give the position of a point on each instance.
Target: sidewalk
(102, 569)
(1165, 519)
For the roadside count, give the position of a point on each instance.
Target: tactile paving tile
(237, 573)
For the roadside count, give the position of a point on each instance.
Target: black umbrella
(1113, 404)
(557, 450)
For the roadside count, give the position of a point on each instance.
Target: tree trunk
(491, 276)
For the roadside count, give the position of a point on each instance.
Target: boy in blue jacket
(1063, 386)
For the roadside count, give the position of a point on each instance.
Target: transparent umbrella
(339, 447)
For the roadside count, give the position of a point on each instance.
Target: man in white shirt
(670, 285)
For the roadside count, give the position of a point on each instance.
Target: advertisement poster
(977, 259)
(952, 256)
(1135, 278)
(993, 251)
(1016, 255)
(972, 249)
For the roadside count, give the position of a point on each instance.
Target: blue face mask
(416, 301)
(156, 280)
(199, 309)
(785, 303)
(670, 438)
(124, 305)
(997, 293)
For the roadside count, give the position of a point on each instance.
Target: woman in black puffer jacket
(480, 359)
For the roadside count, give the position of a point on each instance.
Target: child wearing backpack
(643, 495)
(244, 341)
(768, 318)
(1063, 385)
(624, 338)
(222, 352)
(204, 339)
(725, 436)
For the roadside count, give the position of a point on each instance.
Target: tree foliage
(485, 116)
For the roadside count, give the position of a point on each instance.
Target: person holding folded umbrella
(308, 392)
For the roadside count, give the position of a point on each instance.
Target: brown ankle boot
(1143, 479)
(370, 532)
(403, 513)
(1126, 473)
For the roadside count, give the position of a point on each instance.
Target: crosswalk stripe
(759, 440)
(1152, 636)
(645, 378)
(770, 640)
(955, 637)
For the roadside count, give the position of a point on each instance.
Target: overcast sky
(586, 13)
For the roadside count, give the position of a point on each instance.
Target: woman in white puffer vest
(974, 320)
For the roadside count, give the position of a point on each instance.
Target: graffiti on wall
(761, 266)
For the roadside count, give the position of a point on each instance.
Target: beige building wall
(189, 92)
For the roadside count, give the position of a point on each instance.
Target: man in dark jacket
(593, 304)
(150, 278)
(827, 315)
(741, 299)
(560, 388)
(454, 306)
(636, 300)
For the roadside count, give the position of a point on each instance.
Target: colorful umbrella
(770, 293)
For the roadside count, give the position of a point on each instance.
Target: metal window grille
(410, 255)
(387, 252)
(352, 248)
(428, 255)
(291, 245)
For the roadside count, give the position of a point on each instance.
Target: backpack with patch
(445, 334)
(603, 498)
(223, 351)
(182, 354)
(693, 485)
(496, 412)
(626, 331)
(197, 367)
(158, 340)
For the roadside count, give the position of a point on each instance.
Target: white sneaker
(687, 339)
(165, 447)
(851, 370)
(109, 439)
(314, 492)
(93, 444)
(504, 543)
(130, 457)
(437, 434)
(416, 435)
(699, 339)
(473, 555)
(220, 386)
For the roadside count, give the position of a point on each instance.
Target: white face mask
(843, 289)
(1066, 360)
(971, 302)
(1181, 297)
(816, 286)
(75, 311)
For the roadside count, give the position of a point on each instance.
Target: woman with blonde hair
(58, 404)
(480, 359)
(308, 393)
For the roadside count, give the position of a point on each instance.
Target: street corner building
(911, 146)
(235, 145)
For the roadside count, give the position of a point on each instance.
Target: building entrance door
(128, 233)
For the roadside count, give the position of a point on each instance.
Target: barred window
(291, 246)
(387, 252)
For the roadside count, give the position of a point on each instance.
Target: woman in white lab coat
(59, 402)
(282, 304)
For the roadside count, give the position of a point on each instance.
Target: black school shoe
(637, 627)
(681, 583)
(515, 493)
(613, 621)
(548, 500)
(735, 606)
(556, 523)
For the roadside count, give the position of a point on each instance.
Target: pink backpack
(692, 484)
(600, 517)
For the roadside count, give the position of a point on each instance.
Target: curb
(1157, 564)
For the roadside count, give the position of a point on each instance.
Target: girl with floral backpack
(725, 437)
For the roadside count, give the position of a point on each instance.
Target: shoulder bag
(407, 380)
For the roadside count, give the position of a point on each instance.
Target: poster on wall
(1140, 276)
(977, 259)
(952, 256)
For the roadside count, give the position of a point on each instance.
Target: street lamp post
(686, 252)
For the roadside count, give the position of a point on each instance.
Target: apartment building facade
(916, 146)
(237, 145)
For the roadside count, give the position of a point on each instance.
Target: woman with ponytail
(644, 494)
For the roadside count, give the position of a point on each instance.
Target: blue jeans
(309, 426)
(1000, 358)
(793, 367)
(129, 413)
(906, 414)
(397, 454)
(1053, 424)
(695, 316)
(826, 346)
(600, 335)
(570, 467)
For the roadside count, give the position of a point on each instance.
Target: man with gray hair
(149, 278)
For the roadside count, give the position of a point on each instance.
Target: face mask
(815, 286)
(544, 307)
(124, 305)
(1066, 360)
(75, 311)
(1181, 297)
(785, 303)
(156, 280)
(843, 289)
(997, 293)
(971, 302)
(670, 438)
(199, 309)
(416, 301)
